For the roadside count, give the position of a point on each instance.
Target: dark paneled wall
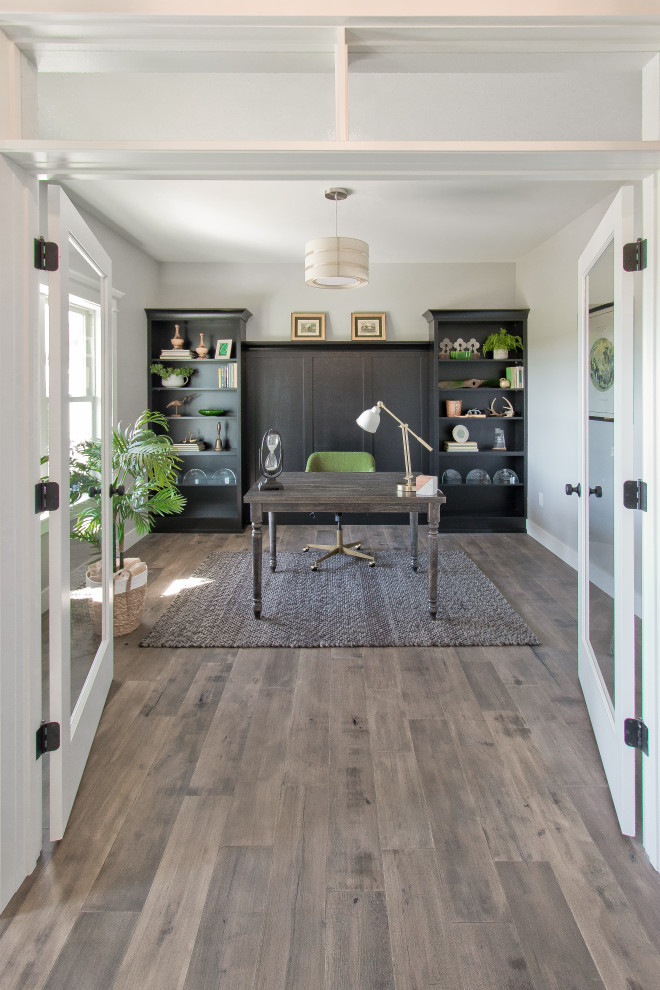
(313, 394)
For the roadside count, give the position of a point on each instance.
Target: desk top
(335, 491)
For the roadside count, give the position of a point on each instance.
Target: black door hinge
(46, 496)
(634, 256)
(634, 495)
(46, 255)
(48, 738)
(636, 734)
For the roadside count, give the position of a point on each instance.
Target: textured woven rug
(344, 603)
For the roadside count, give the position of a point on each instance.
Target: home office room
(328, 609)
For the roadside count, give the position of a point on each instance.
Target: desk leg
(434, 520)
(414, 528)
(256, 519)
(272, 540)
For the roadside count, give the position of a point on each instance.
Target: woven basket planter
(129, 597)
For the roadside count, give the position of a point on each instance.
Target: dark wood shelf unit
(479, 508)
(211, 507)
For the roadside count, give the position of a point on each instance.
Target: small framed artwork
(223, 349)
(368, 326)
(308, 326)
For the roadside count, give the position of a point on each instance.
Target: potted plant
(174, 376)
(501, 343)
(144, 467)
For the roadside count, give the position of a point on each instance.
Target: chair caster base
(313, 567)
(372, 563)
(305, 550)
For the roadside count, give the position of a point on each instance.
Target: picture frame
(368, 326)
(308, 326)
(223, 349)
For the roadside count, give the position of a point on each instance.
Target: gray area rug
(344, 603)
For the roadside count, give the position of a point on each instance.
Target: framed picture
(223, 349)
(601, 363)
(308, 326)
(368, 326)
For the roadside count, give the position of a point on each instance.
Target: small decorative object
(465, 383)
(223, 349)
(177, 403)
(444, 347)
(308, 326)
(368, 326)
(478, 477)
(460, 433)
(501, 343)
(225, 476)
(601, 364)
(452, 477)
(460, 345)
(270, 460)
(507, 407)
(505, 383)
(505, 476)
(202, 350)
(476, 414)
(460, 355)
(211, 412)
(499, 442)
(177, 339)
(175, 377)
(218, 439)
(426, 484)
(194, 477)
(454, 407)
(473, 346)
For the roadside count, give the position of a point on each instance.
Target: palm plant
(144, 469)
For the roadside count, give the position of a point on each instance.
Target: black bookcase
(211, 480)
(493, 508)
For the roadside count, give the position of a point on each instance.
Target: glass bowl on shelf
(451, 477)
(478, 477)
(224, 476)
(211, 412)
(194, 477)
(505, 476)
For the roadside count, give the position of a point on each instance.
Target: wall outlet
(541, 499)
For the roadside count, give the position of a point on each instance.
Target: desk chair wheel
(305, 550)
(314, 567)
(372, 563)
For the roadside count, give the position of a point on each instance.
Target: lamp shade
(369, 420)
(336, 263)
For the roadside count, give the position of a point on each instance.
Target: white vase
(500, 354)
(175, 381)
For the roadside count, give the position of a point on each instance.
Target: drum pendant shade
(336, 262)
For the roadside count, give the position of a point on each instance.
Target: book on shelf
(516, 376)
(454, 445)
(180, 355)
(228, 375)
(189, 448)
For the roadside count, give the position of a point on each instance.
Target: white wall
(547, 284)
(403, 292)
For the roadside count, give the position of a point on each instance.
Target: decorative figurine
(218, 442)
(202, 350)
(177, 403)
(177, 339)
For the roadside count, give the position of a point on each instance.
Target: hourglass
(270, 460)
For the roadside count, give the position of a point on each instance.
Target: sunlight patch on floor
(181, 583)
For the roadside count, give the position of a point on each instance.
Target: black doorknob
(597, 491)
(94, 491)
(577, 489)
(119, 490)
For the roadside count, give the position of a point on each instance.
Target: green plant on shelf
(502, 341)
(175, 371)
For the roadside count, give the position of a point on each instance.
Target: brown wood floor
(353, 819)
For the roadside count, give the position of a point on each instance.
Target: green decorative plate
(601, 364)
(211, 412)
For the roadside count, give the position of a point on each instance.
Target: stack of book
(516, 376)
(171, 354)
(454, 446)
(228, 375)
(190, 447)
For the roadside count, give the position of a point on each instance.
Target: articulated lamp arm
(369, 420)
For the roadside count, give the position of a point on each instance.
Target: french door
(606, 580)
(80, 617)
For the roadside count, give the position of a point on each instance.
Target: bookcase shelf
(479, 508)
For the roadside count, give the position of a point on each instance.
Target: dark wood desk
(341, 492)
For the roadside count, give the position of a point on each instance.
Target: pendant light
(336, 262)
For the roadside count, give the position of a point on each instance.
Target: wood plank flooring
(345, 819)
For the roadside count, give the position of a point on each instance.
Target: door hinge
(46, 255)
(48, 738)
(634, 256)
(46, 496)
(634, 495)
(636, 734)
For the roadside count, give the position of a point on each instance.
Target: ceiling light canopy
(336, 262)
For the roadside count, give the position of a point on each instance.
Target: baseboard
(554, 545)
(130, 537)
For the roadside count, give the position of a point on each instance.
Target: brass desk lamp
(369, 421)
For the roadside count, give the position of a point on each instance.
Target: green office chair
(331, 460)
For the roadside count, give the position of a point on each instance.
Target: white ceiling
(474, 218)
